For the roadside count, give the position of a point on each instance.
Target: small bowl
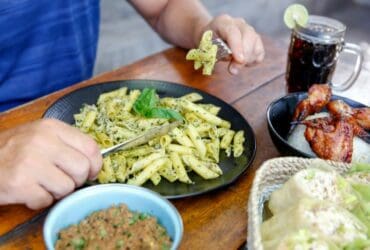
(279, 116)
(77, 206)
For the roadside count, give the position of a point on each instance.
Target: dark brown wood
(216, 220)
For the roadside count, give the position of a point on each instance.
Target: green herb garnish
(143, 216)
(147, 105)
(78, 243)
(165, 247)
(134, 219)
(103, 232)
(119, 244)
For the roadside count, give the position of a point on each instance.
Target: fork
(223, 51)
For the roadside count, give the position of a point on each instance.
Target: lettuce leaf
(302, 239)
(328, 220)
(316, 183)
(359, 167)
(358, 244)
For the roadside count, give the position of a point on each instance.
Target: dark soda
(309, 63)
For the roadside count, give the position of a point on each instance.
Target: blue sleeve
(45, 45)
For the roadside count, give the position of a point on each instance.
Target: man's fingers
(249, 39)
(70, 161)
(244, 42)
(235, 67)
(80, 142)
(259, 51)
(36, 197)
(233, 37)
(54, 180)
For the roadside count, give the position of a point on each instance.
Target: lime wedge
(295, 14)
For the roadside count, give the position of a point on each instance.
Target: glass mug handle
(354, 49)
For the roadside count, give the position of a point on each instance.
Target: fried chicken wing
(331, 139)
(318, 96)
(327, 124)
(362, 116)
(340, 110)
(324, 123)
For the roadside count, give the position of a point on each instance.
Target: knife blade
(143, 138)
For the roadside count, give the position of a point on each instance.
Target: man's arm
(182, 22)
(179, 22)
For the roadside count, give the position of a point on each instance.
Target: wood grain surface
(216, 220)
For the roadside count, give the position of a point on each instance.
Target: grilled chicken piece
(327, 124)
(358, 117)
(362, 116)
(318, 96)
(340, 109)
(330, 139)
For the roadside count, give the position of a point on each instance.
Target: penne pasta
(169, 102)
(155, 178)
(194, 146)
(147, 172)
(89, 120)
(202, 113)
(181, 137)
(211, 108)
(199, 167)
(139, 151)
(192, 97)
(238, 143)
(213, 149)
(180, 149)
(104, 140)
(110, 95)
(179, 168)
(196, 140)
(203, 128)
(168, 172)
(165, 140)
(134, 94)
(142, 163)
(106, 174)
(226, 139)
(213, 167)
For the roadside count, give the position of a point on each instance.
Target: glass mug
(313, 54)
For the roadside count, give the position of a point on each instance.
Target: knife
(143, 138)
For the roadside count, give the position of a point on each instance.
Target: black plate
(279, 116)
(64, 108)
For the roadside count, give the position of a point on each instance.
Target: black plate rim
(298, 95)
(249, 127)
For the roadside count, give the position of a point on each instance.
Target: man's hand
(244, 42)
(182, 22)
(43, 161)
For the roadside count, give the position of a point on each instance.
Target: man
(47, 45)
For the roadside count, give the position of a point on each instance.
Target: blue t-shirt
(45, 45)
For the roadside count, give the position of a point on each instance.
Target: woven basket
(270, 176)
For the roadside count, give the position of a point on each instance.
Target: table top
(216, 220)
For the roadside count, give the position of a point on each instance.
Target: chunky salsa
(115, 228)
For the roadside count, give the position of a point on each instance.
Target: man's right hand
(45, 160)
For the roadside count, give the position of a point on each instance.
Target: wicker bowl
(270, 176)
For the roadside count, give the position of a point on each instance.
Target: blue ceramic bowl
(77, 206)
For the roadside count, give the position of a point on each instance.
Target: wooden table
(216, 220)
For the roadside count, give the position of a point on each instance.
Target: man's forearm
(178, 21)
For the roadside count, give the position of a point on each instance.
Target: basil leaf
(164, 113)
(146, 105)
(147, 100)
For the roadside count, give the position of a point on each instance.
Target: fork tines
(223, 52)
